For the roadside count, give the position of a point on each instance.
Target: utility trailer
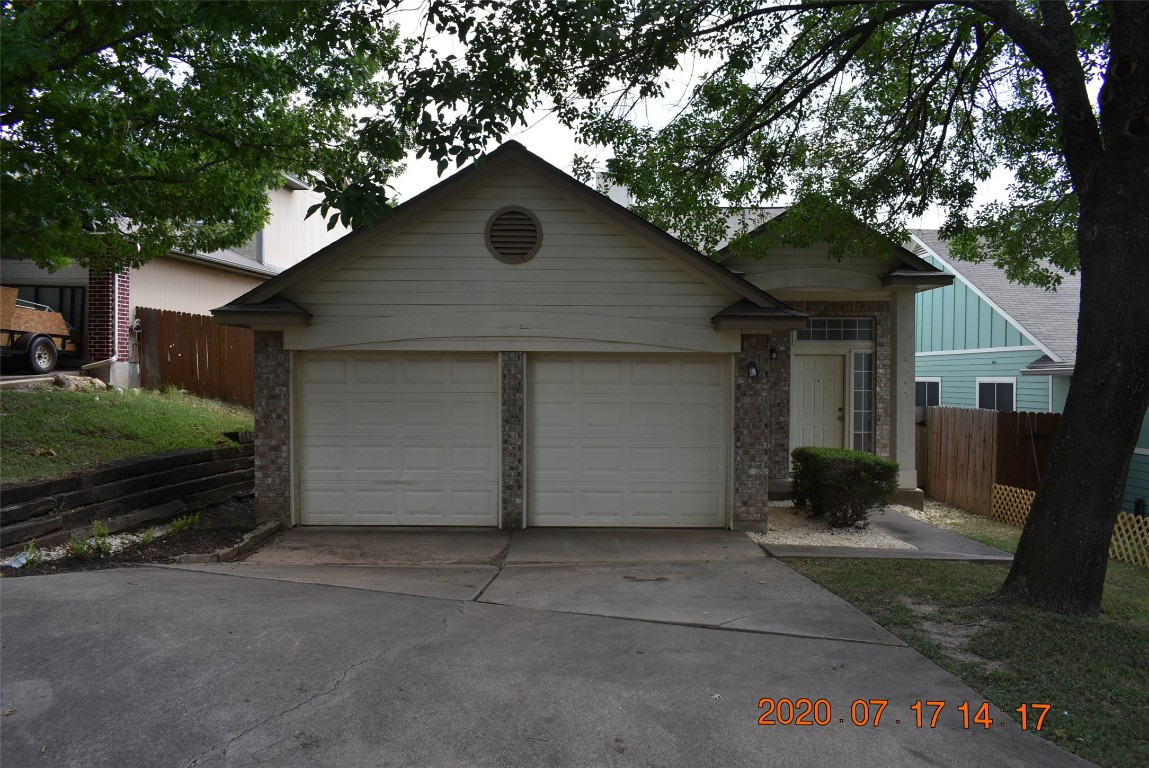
(36, 333)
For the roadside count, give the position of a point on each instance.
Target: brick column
(752, 433)
(512, 400)
(272, 428)
(778, 399)
(109, 314)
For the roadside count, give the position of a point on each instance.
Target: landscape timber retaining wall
(125, 493)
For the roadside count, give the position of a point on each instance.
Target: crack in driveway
(199, 760)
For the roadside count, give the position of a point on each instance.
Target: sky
(555, 143)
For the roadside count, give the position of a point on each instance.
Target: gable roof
(239, 311)
(1049, 317)
(909, 268)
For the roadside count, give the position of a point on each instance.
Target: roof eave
(743, 323)
(1060, 369)
(921, 280)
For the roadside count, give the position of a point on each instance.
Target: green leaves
(129, 130)
(877, 110)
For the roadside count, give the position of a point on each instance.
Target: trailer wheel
(41, 355)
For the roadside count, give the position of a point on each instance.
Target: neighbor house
(986, 342)
(102, 306)
(512, 348)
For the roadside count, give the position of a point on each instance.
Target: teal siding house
(985, 342)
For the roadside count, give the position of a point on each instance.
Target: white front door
(618, 440)
(816, 404)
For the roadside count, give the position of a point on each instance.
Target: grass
(1095, 672)
(46, 434)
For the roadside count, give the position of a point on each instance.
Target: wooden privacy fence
(193, 353)
(991, 463)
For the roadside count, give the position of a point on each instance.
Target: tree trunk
(1064, 550)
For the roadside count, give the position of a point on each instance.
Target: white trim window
(927, 391)
(997, 393)
(837, 329)
(862, 396)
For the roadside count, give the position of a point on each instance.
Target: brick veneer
(778, 406)
(512, 400)
(752, 397)
(272, 428)
(108, 319)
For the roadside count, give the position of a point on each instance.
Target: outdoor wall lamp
(752, 369)
(773, 353)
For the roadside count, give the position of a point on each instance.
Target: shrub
(841, 485)
(78, 547)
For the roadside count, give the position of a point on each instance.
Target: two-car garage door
(611, 440)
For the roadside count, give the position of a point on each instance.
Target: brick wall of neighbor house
(752, 398)
(512, 398)
(108, 319)
(883, 365)
(272, 428)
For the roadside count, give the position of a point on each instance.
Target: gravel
(788, 525)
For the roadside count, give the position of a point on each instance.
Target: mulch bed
(220, 526)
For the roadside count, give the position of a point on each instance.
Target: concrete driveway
(417, 648)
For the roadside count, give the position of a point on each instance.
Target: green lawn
(1094, 672)
(50, 433)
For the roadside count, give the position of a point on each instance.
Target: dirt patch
(952, 633)
(219, 526)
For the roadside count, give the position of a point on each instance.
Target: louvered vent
(513, 235)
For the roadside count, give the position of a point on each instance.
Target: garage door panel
(373, 373)
(402, 438)
(627, 441)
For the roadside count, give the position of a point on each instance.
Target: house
(511, 348)
(103, 306)
(985, 342)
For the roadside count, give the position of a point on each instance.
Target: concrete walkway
(932, 543)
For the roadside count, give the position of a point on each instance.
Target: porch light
(752, 369)
(773, 353)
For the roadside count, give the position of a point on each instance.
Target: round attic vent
(513, 235)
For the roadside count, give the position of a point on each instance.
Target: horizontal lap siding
(811, 269)
(1137, 483)
(438, 268)
(959, 374)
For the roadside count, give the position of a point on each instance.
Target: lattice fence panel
(1011, 505)
(1130, 543)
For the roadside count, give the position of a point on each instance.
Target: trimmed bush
(841, 485)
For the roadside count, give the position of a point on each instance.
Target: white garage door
(627, 441)
(398, 439)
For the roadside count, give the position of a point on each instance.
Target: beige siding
(595, 285)
(290, 236)
(792, 271)
(180, 286)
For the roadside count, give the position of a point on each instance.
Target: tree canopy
(132, 129)
(870, 112)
